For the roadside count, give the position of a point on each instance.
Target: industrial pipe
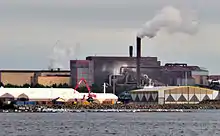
(122, 67)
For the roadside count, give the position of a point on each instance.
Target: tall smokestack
(131, 51)
(138, 40)
(169, 18)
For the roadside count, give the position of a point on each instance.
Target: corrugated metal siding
(49, 81)
(16, 78)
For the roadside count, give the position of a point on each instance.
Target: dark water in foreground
(203, 123)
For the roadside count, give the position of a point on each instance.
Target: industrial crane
(91, 96)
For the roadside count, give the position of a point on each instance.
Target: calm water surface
(204, 123)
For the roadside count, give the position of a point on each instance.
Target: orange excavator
(91, 95)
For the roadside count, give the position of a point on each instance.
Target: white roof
(157, 88)
(52, 93)
(39, 93)
(102, 95)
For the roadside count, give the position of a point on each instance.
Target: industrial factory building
(122, 72)
(43, 77)
(174, 95)
(135, 71)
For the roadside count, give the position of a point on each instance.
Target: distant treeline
(35, 86)
(94, 88)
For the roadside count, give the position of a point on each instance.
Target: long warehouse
(174, 95)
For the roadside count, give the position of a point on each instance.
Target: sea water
(200, 123)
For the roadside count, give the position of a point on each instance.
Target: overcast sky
(29, 29)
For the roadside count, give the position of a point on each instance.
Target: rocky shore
(114, 108)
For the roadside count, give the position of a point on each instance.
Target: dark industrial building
(135, 71)
(99, 69)
(81, 69)
(106, 68)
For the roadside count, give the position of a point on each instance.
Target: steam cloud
(172, 20)
(59, 53)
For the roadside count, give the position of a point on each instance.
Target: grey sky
(29, 29)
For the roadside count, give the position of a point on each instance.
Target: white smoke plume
(60, 54)
(172, 20)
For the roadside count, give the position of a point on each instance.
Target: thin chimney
(138, 40)
(130, 51)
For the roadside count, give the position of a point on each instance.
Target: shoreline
(50, 110)
(105, 110)
(92, 107)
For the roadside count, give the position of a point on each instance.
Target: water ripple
(110, 124)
